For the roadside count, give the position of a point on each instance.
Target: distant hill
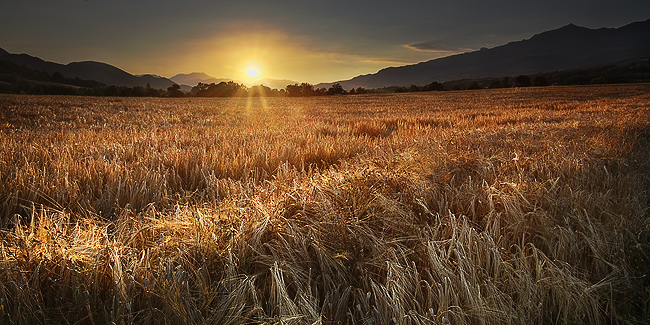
(87, 70)
(192, 79)
(276, 83)
(569, 47)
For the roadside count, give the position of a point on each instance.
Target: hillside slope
(88, 70)
(568, 47)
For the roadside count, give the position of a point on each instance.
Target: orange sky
(278, 55)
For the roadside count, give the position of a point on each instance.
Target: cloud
(436, 47)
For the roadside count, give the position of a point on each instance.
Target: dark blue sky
(299, 40)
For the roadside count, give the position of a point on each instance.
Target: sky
(303, 41)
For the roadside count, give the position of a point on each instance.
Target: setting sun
(253, 72)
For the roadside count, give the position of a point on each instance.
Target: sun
(253, 70)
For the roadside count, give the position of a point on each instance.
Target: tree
(336, 89)
(139, 91)
(414, 89)
(201, 89)
(434, 86)
(151, 92)
(473, 85)
(307, 89)
(539, 81)
(522, 81)
(174, 91)
(505, 82)
(304, 89)
(259, 91)
(294, 90)
(222, 89)
(112, 90)
(495, 84)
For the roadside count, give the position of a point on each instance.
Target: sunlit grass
(503, 206)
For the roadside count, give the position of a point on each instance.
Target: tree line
(21, 80)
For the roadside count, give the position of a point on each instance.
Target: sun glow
(253, 71)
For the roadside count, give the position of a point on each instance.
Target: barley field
(507, 206)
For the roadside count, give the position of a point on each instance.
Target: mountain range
(565, 48)
(192, 79)
(111, 75)
(87, 70)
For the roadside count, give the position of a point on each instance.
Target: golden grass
(477, 207)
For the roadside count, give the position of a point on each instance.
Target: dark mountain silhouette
(569, 47)
(87, 70)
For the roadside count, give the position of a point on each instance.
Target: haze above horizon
(302, 41)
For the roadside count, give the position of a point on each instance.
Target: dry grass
(503, 206)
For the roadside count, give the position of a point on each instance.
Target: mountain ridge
(87, 70)
(567, 47)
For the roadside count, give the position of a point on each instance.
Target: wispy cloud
(436, 47)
